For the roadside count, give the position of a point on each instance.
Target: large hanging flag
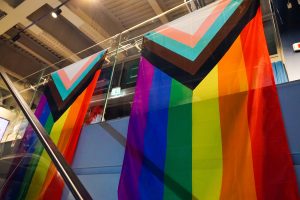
(206, 121)
(61, 111)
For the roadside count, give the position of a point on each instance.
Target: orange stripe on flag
(64, 138)
(69, 146)
(238, 176)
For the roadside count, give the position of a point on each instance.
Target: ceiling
(81, 24)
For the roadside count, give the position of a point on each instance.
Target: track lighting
(16, 37)
(55, 13)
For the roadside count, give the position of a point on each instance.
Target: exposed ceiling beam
(19, 15)
(43, 36)
(157, 9)
(14, 16)
(11, 73)
(47, 62)
(112, 19)
(92, 28)
(50, 41)
(102, 20)
(27, 7)
(91, 31)
(87, 29)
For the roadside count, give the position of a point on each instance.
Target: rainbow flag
(61, 111)
(206, 121)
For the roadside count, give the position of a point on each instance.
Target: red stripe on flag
(273, 169)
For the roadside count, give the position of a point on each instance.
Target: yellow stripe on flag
(207, 140)
(44, 162)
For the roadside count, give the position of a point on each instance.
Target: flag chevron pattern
(65, 86)
(162, 48)
(62, 118)
(215, 134)
(182, 43)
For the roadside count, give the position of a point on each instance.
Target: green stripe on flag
(178, 166)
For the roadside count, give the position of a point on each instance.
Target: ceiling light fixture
(55, 13)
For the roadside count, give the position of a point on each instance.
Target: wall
(99, 155)
(289, 95)
(8, 115)
(98, 159)
(17, 124)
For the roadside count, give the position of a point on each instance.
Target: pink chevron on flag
(65, 76)
(191, 39)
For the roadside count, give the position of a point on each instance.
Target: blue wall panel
(98, 160)
(100, 186)
(98, 148)
(289, 95)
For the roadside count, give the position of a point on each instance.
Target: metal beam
(157, 9)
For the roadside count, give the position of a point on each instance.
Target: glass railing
(27, 170)
(22, 154)
(119, 99)
(114, 92)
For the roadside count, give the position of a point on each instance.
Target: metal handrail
(70, 178)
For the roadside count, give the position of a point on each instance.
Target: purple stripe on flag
(132, 165)
(40, 107)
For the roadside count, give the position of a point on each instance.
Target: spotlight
(55, 13)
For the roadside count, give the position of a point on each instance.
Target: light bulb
(54, 15)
